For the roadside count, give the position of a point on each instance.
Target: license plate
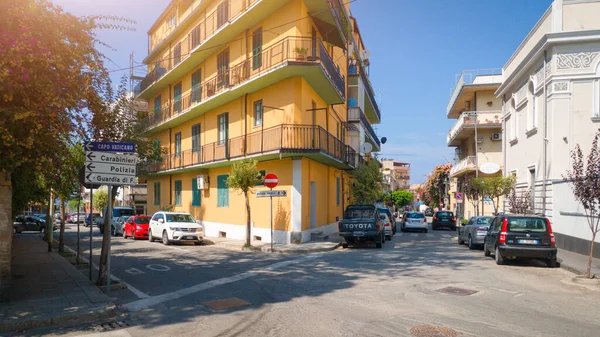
(359, 233)
(529, 242)
(189, 238)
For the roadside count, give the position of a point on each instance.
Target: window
(222, 191)
(258, 113)
(337, 191)
(223, 68)
(534, 103)
(223, 129)
(157, 105)
(177, 98)
(195, 37)
(195, 193)
(177, 192)
(157, 194)
(196, 92)
(222, 13)
(263, 173)
(172, 20)
(178, 145)
(532, 187)
(196, 137)
(257, 48)
(157, 150)
(177, 54)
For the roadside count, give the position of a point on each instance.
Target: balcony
(223, 25)
(468, 82)
(467, 164)
(371, 107)
(292, 56)
(464, 127)
(331, 19)
(356, 115)
(273, 143)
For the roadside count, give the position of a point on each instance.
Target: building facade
(396, 174)
(551, 102)
(476, 136)
(282, 81)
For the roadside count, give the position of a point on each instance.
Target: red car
(136, 227)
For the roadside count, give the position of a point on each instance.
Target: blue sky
(417, 49)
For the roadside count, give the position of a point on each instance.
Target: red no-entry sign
(271, 180)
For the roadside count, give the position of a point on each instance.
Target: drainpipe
(545, 140)
(503, 149)
(246, 123)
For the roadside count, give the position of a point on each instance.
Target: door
(313, 204)
(492, 234)
(466, 229)
(223, 68)
(30, 224)
(313, 43)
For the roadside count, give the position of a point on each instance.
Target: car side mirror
(161, 220)
(199, 222)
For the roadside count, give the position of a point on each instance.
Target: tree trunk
(61, 238)
(49, 227)
(248, 222)
(6, 234)
(104, 253)
(591, 259)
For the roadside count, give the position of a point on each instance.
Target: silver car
(474, 231)
(117, 225)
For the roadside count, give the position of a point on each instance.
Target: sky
(418, 48)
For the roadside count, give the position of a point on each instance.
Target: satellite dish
(366, 147)
(383, 140)
(365, 54)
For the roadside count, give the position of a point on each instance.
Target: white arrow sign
(106, 168)
(272, 193)
(109, 179)
(111, 158)
(92, 167)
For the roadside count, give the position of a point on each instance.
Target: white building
(551, 102)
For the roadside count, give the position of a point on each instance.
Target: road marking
(158, 267)
(154, 300)
(116, 333)
(134, 271)
(414, 234)
(445, 235)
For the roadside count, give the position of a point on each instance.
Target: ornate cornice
(575, 60)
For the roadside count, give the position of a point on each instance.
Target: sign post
(91, 227)
(271, 181)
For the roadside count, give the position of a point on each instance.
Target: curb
(300, 250)
(568, 267)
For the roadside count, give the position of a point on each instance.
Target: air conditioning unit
(496, 136)
(203, 182)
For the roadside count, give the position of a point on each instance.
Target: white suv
(175, 227)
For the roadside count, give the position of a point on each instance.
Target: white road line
(445, 235)
(154, 300)
(133, 289)
(414, 234)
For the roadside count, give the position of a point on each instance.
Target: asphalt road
(347, 292)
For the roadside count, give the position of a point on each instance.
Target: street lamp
(473, 118)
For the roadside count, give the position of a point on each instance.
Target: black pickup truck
(360, 224)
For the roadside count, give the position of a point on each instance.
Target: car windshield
(142, 221)
(484, 221)
(122, 212)
(526, 225)
(179, 218)
(444, 214)
(358, 213)
(415, 216)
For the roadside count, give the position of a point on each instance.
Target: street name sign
(110, 147)
(271, 193)
(108, 168)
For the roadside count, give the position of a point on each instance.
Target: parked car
(77, 217)
(428, 212)
(414, 220)
(443, 219)
(474, 231)
(175, 227)
(24, 223)
(118, 211)
(361, 223)
(514, 237)
(117, 225)
(387, 225)
(93, 219)
(390, 217)
(136, 227)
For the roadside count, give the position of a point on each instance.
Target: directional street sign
(109, 179)
(110, 147)
(271, 193)
(106, 168)
(112, 158)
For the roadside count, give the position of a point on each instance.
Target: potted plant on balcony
(301, 53)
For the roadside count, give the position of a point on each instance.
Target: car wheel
(470, 243)
(344, 245)
(402, 229)
(113, 231)
(486, 251)
(388, 237)
(426, 230)
(378, 244)
(42, 230)
(150, 237)
(124, 234)
(460, 241)
(498, 257)
(165, 239)
(551, 263)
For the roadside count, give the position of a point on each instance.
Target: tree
(402, 198)
(472, 192)
(519, 203)
(584, 179)
(101, 199)
(244, 177)
(494, 188)
(365, 183)
(435, 186)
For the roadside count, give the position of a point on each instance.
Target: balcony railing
(282, 138)
(484, 119)
(468, 77)
(341, 16)
(467, 163)
(226, 12)
(290, 49)
(368, 87)
(355, 114)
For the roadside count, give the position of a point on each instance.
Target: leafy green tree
(402, 198)
(365, 183)
(244, 177)
(494, 188)
(100, 200)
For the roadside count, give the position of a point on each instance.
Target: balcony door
(222, 13)
(223, 68)
(223, 132)
(196, 148)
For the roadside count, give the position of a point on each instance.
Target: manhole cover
(457, 291)
(225, 304)
(432, 331)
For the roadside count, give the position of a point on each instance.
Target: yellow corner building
(282, 81)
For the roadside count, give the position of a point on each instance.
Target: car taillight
(454, 219)
(502, 238)
(552, 238)
(435, 218)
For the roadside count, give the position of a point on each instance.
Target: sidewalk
(577, 263)
(333, 242)
(48, 290)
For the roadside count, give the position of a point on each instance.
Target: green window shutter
(257, 48)
(178, 145)
(196, 137)
(195, 193)
(196, 93)
(337, 191)
(222, 191)
(157, 194)
(177, 192)
(177, 98)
